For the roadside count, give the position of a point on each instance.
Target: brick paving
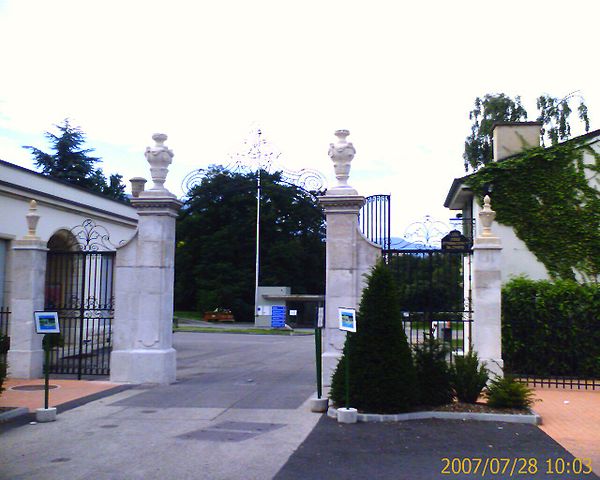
(67, 391)
(572, 418)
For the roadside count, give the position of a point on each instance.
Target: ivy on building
(545, 195)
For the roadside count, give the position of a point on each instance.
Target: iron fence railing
(4, 338)
(434, 293)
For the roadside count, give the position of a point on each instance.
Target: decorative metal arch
(258, 154)
(428, 232)
(90, 237)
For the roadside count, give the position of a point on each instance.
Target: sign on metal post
(455, 242)
(320, 316)
(278, 316)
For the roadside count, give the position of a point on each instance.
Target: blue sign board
(278, 316)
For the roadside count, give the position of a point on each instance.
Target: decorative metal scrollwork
(427, 233)
(307, 179)
(91, 237)
(192, 179)
(258, 154)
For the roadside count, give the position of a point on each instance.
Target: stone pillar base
(330, 361)
(143, 366)
(494, 365)
(25, 363)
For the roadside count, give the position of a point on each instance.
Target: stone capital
(487, 243)
(30, 244)
(162, 206)
(344, 204)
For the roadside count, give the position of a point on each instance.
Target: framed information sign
(278, 313)
(347, 318)
(46, 322)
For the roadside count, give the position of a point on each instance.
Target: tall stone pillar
(487, 289)
(144, 277)
(26, 357)
(348, 254)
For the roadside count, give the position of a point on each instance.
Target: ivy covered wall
(550, 197)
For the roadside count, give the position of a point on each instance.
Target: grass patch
(188, 315)
(423, 325)
(250, 331)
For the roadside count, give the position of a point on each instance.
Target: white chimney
(510, 138)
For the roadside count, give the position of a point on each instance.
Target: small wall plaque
(456, 242)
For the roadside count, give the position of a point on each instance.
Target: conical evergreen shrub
(433, 373)
(382, 375)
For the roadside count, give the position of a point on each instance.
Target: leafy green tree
(488, 110)
(216, 242)
(554, 115)
(72, 163)
(382, 374)
(492, 108)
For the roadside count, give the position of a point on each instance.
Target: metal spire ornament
(258, 155)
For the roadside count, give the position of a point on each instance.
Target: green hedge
(551, 328)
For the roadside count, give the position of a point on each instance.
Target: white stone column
(348, 254)
(487, 289)
(144, 277)
(26, 357)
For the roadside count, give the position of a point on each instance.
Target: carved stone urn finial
(342, 153)
(159, 157)
(486, 217)
(32, 218)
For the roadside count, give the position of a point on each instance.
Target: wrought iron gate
(79, 286)
(435, 295)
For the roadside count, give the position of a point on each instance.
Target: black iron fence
(434, 295)
(4, 338)
(573, 383)
(79, 286)
(551, 346)
(374, 220)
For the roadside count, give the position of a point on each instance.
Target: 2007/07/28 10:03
(515, 466)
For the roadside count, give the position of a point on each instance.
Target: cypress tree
(382, 375)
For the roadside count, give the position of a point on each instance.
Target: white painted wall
(517, 259)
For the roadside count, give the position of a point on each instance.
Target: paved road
(238, 411)
(415, 451)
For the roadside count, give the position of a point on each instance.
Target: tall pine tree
(72, 163)
(382, 374)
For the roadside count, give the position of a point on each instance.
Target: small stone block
(43, 415)
(347, 415)
(319, 405)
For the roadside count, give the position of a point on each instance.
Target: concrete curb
(532, 418)
(10, 414)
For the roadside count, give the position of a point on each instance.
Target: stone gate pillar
(144, 278)
(487, 289)
(26, 357)
(349, 255)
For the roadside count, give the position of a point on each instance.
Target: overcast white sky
(401, 76)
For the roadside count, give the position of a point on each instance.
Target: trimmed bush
(468, 377)
(433, 374)
(382, 375)
(551, 328)
(2, 375)
(506, 392)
